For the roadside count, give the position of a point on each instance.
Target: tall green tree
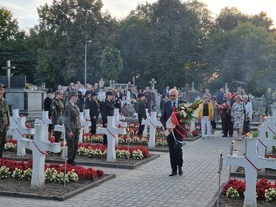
(111, 63)
(64, 28)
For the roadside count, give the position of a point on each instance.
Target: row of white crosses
(253, 161)
(39, 146)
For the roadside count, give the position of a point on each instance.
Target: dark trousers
(246, 127)
(227, 126)
(72, 144)
(93, 125)
(104, 136)
(141, 127)
(267, 109)
(175, 150)
(2, 140)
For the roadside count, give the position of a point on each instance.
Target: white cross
(111, 131)
(19, 130)
(118, 122)
(38, 147)
(44, 121)
(153, 123)
(152, 82)
(251, 163)
(84, 124)
(265, 139)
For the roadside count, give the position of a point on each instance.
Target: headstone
(118, 122)
(85, 126)
(44, 121)
(145, 132)
(19, 128)
(252, 163)
(153, 123)
(111, 131)
(153, 82)
(39, 147)
(266, 134)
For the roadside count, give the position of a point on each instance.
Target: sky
(26, 14)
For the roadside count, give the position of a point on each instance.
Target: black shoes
(180, 171)
(173, 173)
(224, 135)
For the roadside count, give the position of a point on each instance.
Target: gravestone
(39, 147)
(266, 134)
(111, 131)
(252, 163)
(118, 122)
(84, 126)
(153, 123)
(19, 128)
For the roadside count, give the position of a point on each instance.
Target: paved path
(150, 185)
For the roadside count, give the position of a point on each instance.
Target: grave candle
(232, 147)
(220, 161)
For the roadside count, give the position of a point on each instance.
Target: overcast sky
(26, 14)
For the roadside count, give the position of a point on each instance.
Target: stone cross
(265, 139)
(84, 124)
(8, 68)
(111, 131)
(38, 147)
(118, 122)
(252, 163)
(44, 121)
(45, 117)
(19, 130)
(153, 82)
(153, 123)
(13, 122)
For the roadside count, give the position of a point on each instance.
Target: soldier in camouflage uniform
(72, 126)
(4, 119)
(57, 111)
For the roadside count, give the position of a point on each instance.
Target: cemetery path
(150, 185)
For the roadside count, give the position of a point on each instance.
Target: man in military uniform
(4, 119)
(142, 114)
(94, 107)
(108, 110)
(57, 110)
(72, 126)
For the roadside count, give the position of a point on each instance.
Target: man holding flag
(174, 132)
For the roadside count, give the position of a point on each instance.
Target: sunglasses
(172, 95)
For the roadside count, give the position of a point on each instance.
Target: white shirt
(248, 110)
(101, 96)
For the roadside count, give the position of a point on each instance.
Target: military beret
(73, 93)
(57, 92)
(2, 86)
(49, 91)
(109, 93)
(93, 94)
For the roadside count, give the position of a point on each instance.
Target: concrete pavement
(150, 185)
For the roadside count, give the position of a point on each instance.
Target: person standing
(47, 106)
(215, 119)
(4, 119)
(118, 99)
(57, 111)
(225, 107)
(108, 110)
(268, 101)
(101, 99)
(141, 110)
(205, 114)
(175, 135)
(94, 112)
(248, 114)
(237, 116)
(220, 96)
(72, 126)
(148, 95)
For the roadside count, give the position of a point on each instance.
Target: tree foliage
(111, 63)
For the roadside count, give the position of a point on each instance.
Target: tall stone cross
(39, 147)
(19, 128)
(252, 163)
(265, 139)
(8, 68)
(153, 123)
(119, 123)
(85, 123)
(111, 131)
(153, 82)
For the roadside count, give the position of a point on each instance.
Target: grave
(111, 131)
(153, 124)
(85, 123)
(265, 139)
(39, 146)
(118, 122)
(18, 130)
(252, 163)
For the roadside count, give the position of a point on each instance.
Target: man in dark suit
(175, 136)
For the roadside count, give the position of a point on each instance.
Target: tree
(64, 28)
(111, 63)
